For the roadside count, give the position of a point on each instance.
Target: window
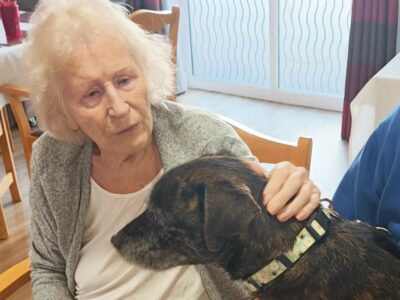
(291, 51)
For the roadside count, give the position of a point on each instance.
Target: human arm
(47, 263)
(369, 190)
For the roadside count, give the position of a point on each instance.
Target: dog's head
(194, 211)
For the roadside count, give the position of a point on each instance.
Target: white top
(103, 274)
(379, 97)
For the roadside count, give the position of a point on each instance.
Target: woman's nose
(118, 106)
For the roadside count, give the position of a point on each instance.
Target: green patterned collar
(316, 228)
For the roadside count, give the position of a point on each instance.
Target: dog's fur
(210, 211)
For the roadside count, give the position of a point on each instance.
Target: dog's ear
(228, 211)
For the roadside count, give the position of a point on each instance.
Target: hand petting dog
(290, 192)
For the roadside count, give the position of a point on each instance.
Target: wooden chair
(271, 150)
(9, 180)
(155, 21)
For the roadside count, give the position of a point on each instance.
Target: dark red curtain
(372, 44)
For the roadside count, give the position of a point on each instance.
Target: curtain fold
(372, 44)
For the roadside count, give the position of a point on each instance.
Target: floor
(329, 158)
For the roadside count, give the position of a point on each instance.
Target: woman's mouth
(128, 130)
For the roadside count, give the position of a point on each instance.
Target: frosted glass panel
(230, 41)
(313, 44)
(291, 51)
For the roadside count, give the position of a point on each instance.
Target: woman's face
(105, 96)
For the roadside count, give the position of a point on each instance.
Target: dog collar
(315, 229)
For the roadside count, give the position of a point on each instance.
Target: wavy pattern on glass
(230, 41)
(313, 45)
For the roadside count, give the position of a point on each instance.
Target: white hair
(62, 26)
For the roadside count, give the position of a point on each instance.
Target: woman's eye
(92, 98)
(125, 82)
(93, 93)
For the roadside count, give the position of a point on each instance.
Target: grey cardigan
(60, 192)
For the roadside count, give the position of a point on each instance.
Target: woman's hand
(289, 191)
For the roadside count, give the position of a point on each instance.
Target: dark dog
(210, 211)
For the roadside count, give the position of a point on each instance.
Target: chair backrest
(154, 21)
(15, 96)
(271, 150)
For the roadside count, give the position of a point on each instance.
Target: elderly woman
(99, 84)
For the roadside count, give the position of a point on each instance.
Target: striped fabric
(372, 44)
